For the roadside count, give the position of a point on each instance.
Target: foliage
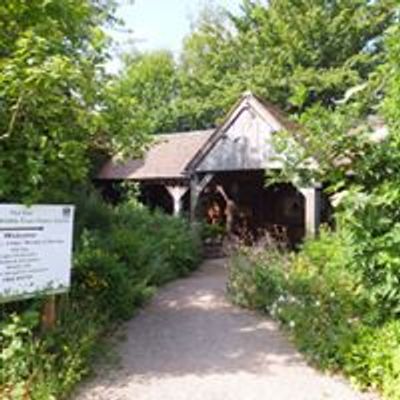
(121, 255)
(52, 57)
(140, 100)
(319, 295)
(210, 72)
(212, 232)
(374, 358)
(311, 51)
(18, 351)
(296, 55)
(257, 287)
(340, 297)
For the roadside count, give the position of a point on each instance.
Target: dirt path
(191, 344)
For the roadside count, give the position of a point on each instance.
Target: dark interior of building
(258, 210)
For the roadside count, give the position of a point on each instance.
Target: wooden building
(220, 175)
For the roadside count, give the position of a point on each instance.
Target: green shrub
(18, 354)
(371, 218)
(171, 244)
(257, 280)
(320, 295)
(106, 279)
(92, 214)
(47, 367)
(212, 232)
(374, 358)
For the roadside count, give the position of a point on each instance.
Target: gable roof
(167, 158)
(176, 155)
(267, 111)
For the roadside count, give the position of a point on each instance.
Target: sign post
(35, 254)
(49, 314)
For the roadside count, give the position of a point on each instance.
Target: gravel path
(191, 344)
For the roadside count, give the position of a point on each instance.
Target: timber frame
(187, 165)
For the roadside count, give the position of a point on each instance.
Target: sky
(160, 24)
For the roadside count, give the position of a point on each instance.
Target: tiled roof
(167, 158)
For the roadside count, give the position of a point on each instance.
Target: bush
(121, 255)
(18, 355)
(320, 296)
(92, 213)
(105, 278)
(212, 232)
(374, 358)
(171, 246)
(257, 280)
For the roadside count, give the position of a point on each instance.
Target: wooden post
(196, 187)
(230, 209)
(177, 193)
(49, 314)
(194, 197)
(312, 196)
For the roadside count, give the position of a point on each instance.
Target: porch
(219, 176)
(241, 204)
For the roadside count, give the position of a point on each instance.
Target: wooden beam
(194, 197)
(196, 187)
(312, 217)
(230, 209)
(177, 193)
(207, 178)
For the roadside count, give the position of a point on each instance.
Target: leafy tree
(391, 72)
(209, 70)
(362, 161)
(294, 53)
(145, 91)
(51, 70)
(301, 52)
(376, 221)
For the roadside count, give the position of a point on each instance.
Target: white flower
(338, 198)
(272, 312)
(292, 324)
(317, 303)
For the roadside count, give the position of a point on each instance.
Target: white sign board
(35, 250)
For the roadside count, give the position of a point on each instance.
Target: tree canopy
(295, 54)
(52, 56)
(147, 89)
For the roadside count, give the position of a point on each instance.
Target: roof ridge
(196, 132)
